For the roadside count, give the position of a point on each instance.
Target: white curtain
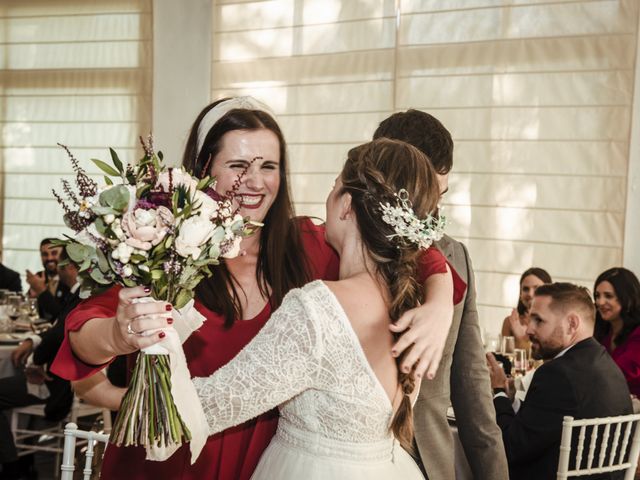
(71, 72)
(537, 94)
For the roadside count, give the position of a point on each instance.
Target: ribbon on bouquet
(186, 320)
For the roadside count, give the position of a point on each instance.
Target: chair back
(71, 434)
(613, 445)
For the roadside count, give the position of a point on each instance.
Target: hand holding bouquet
(162, 228)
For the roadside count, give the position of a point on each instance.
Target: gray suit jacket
(463, 381)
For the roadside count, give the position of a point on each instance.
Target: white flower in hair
(422, 232)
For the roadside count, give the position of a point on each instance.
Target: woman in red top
(617, 296)
(237, 299)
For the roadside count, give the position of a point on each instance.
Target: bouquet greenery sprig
(148, 225)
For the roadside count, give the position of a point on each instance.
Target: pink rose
(145, 229)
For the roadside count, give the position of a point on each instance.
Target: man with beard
(46, 285)
(578, 379)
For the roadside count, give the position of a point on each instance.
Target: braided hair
(373, 174)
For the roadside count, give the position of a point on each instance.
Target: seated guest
(617, 297)
(578, 379)
(36, 384)
(45, 285)
(515, 325)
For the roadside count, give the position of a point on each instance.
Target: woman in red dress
(287, 252)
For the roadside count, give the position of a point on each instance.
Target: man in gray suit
(462, 379)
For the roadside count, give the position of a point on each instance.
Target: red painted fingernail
(169, 321)
(168, 307)
(162, 334)
(147, 289)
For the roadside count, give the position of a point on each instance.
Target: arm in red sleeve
(66, 364)
(431, 262)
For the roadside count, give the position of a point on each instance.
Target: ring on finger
(131, 331)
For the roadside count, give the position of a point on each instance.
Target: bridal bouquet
(158, 226)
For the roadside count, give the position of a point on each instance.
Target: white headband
(217, 112)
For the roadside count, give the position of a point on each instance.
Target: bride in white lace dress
(324, 358)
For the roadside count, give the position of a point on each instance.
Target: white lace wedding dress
(334, 413)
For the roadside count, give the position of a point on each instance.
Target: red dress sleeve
(66, 364)
(323, 259)
(431, 262)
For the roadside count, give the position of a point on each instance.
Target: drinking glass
(520, 362)
(508, 346)
(13, 306)
(34, 314)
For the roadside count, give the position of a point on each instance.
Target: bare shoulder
(361, 299)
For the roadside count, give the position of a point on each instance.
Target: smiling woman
(238, 141)
(617, 298)
(257, 154)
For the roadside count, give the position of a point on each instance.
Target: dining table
(8, 343)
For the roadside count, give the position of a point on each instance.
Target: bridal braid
(373, 174)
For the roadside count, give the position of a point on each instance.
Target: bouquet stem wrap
(160, 409)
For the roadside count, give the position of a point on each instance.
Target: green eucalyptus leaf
(129, 282)
(108, 180)
(99, 277)
(116, 197)
(218, 235)
(214, 251)
(103, 263)
(101, 227)
(105, 167)
(85, 265)
(103, 210)
(78, 252)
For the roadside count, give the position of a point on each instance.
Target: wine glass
(508, 346)
(13, 306)
(34, 314)
(520, 362)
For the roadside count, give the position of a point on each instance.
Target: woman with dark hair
(515, 325)
(617, 298)
(324, 357)
(229, 137)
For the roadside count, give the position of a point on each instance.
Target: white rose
(194, 233)
(122, 252)
(127, 271)
(208, 207)
(109, 218)
(178, 177)
(233, 249)
(88, 235)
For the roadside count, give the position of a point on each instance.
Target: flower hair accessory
(422, 232)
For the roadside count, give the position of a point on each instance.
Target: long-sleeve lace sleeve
(280, 362)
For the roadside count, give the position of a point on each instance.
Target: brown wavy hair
(282, 261)
(373, 174)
